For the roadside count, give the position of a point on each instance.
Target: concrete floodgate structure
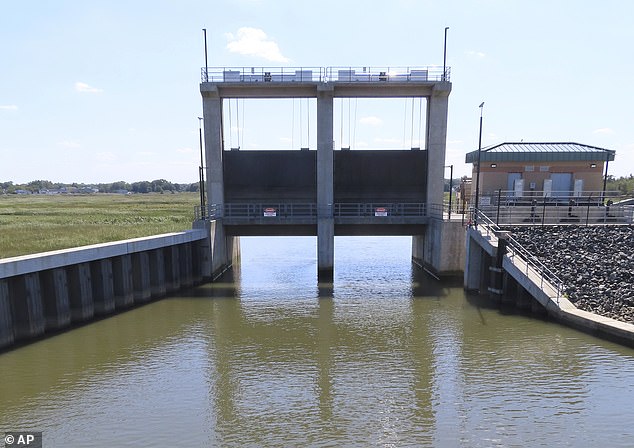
(327, 192)
(47, 292)
(498, 266)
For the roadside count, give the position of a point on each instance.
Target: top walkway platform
(429, 74)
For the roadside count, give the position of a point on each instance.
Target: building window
(529, 168)
(544, 169)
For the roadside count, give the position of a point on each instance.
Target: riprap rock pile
(595, 263)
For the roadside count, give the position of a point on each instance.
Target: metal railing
(386, 74)
(323, 74)
(545, 213)
(591, 207)
(379, 209)
(263, 74)
(289, 210)
(532, 265)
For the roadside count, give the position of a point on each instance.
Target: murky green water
(382, 357)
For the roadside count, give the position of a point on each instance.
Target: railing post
(587, 213)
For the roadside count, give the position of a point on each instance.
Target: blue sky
(101, 91)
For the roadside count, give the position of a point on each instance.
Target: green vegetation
(43, 186)
(38, 223)
(625, 185)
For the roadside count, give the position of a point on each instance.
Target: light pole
(477, 192)
(206, 66)
(605, 176)
(201, 175)
(444, 61)
(450, 188)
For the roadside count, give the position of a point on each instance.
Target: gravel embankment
(596, 264)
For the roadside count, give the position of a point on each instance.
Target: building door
(510, 186)
(562, 183)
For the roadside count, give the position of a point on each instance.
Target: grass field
(39, 223)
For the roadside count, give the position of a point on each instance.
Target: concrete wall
(441, 250)
(46, 292)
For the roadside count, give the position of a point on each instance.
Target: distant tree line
(625, 185)
(46, 186)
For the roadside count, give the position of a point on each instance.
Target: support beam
(28, 310)
(172, 268)
(102, 286)
(214, 145)
(6, 320)
(141, 275)
(325, 184)
(185, 257)
(56, 299)
(123, 281)
(437, 108)
(82, 307)
(157, 273)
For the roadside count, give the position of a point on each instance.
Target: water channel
(383, 356)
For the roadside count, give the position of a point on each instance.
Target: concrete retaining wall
(46, 292)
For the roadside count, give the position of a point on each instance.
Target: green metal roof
(541, 152)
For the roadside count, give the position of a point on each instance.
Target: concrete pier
(50, 291)
(441, 250)
(325, 184)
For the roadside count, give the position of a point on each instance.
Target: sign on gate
(380, 211)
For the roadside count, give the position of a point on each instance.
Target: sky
(101, 91)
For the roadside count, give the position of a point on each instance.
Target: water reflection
(381, 356)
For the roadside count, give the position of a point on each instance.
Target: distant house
(554, 170)
(22, 192)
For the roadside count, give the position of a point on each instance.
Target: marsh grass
(40, 223)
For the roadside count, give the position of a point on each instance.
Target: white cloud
(371, 121)
(71, 144)
(85, 88)
(255, 42)
(9, 107)
(184, 150)
(476, 54)
(605, 131)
